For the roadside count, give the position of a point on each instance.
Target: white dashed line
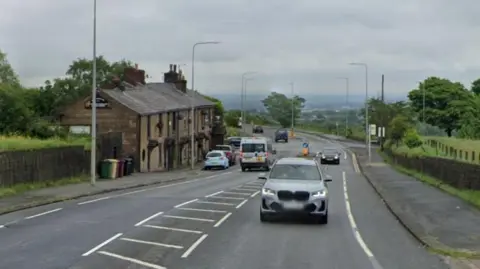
(222, 220)
(225, 197)
(186, 203)
(95, 200)
(194, 246)
(215, 203)
(242, 203)
(132, 260)
(211, 176)
(237, 193)
(187, 218)
(255, 194)
(173, 229)
(44, 213)
(2, 226)
(102, 244)
(353, 225)
(213, 194)
(149, 218)
(151, 243)
(202, 210)
(247, 189)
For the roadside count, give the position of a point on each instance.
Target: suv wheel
(263, 217)
(243, 169)
(323, 219)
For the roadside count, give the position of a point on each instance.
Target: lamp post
(93, 129)
(347, 85)
(367, 127)
(243, 98)
(192, 124)
(292, 85)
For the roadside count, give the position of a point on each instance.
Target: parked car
(281, 134)
(295, 186)
(216, 159)
(229, 152)
(257, 129)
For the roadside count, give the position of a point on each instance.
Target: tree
(475, 88)
(446, 102)
(280, 108)
(7, 74)
(397, 129)
(231, 118)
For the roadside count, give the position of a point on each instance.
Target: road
(213, 222)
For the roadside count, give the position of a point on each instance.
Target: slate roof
(154, 98)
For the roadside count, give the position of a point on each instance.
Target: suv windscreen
(330, 152)
(251, 147)
(214, 154)
(295, 171)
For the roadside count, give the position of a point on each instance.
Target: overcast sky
(309, 42)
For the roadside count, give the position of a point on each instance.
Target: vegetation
(22, 188)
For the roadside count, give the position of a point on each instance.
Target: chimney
(134, 76)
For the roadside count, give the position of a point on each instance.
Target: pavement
(213, 222)
(61, 193)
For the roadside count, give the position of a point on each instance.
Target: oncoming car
(329, 155)
(216, 159)
(295, 186)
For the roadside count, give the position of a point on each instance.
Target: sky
(308, 42)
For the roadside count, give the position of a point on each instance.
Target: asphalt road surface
(213, 222)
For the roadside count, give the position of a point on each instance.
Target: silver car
(295, 186)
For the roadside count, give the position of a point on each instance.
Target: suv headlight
(321, 193)
(267, 191)
(323, 156)
(336, 156)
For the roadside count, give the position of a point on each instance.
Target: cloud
(310, 42)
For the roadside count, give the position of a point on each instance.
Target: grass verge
(470, 196)
(11, 143)
(22, 188)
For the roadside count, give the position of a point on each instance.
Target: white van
(256, 153)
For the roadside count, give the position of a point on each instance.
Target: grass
(10, 143)
(22, 188)
(232, 131)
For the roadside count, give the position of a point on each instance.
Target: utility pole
(93, 129)
(293, 105)
(383, 122)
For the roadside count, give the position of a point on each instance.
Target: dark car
(329, 155)
(234, 141)
(257, 129)
(231, 155)
(281, 134)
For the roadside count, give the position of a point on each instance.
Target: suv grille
(298, 195)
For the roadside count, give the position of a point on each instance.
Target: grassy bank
(22, 188)
(9, 143)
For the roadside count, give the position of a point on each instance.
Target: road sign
(373, 129)
(305, 145)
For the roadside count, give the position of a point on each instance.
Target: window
(227, 148)
(295, 171)
(251, 147)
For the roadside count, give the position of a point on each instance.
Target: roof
(298, 161)
(154, 98)
(253, 139)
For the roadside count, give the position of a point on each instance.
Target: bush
(412, 139)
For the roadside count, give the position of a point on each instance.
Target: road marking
(242, 203)
(353, 225)
(194, 246)
(149, 218)
(213, 194)
(211, 176)
(2, 226)
(151, 243)
(95, 200)
(132, 260)
(102, 244)
(187, 218)
(255, 194)
(173, 229)
(203, 210)
(215, 203)
(44, 213)
(186, 203)
(225, 197)
(355, 163)
(238, 193)
(247, 189)
(344, 154)
(222, 220)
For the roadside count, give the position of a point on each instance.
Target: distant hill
(254, 101)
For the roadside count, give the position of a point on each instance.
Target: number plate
(293, 206)
(259, 159)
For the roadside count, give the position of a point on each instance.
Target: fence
(458, 174)
(17, 167)
(454, 153)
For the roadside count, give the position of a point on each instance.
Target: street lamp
(243, 98)
(293, 101)
(192, 124)
(347, 82)
(245, 95)
(367, 127)
(93, 129)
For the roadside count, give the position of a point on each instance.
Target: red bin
(120, 168)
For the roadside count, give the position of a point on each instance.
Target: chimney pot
(175, 68)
